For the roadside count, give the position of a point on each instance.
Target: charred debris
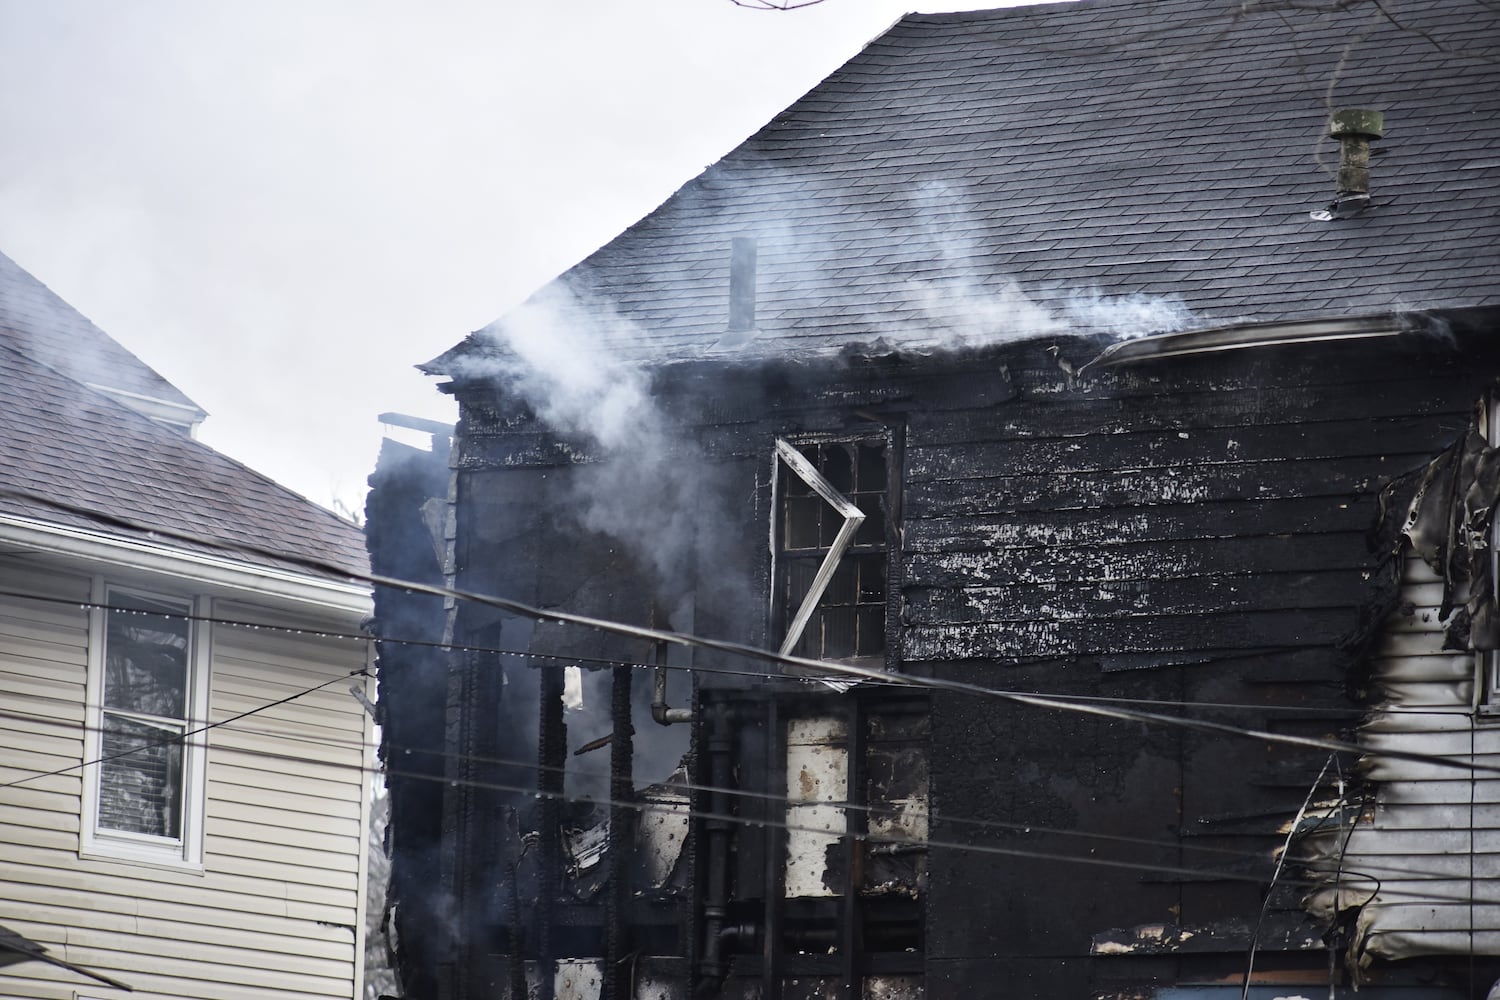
(1218, 530)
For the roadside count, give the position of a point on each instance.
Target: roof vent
(741, 328)
(1354, 128)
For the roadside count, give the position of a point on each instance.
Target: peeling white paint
(662, 830)
(817, 772)
(578, 979)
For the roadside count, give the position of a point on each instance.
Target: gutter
(243, 579)
(1245, 335)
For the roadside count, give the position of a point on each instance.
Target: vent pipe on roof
(1354, 128)
(742, 285)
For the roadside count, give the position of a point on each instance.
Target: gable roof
(37, 322)
(1107, 165)
(105, 466)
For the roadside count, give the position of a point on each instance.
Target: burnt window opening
(830, 548)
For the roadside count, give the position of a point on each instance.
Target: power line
(180, 737)
(561, 659)
(774, 799)
(872, 838)
(815, 667)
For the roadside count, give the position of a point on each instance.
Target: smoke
(968, 304)
(646, 486)
(1128, 316)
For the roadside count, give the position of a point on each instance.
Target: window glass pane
(871, 475)
(838, 632)
(837, 467)
(801, 517)
(833, 523)
(872, 579)
(871, 639)
(872, 530)
(841, 588)
(799, 577)
(140, 792)
(146, 657)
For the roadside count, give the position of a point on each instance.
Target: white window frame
(185, 851)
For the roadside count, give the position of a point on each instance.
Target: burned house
(1019, 525)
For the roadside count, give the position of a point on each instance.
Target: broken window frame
(788, 458)
(185, 848)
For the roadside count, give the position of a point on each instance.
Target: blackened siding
(1188, 530)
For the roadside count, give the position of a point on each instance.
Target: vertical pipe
(552, 749)
(856, 821)
(621, 835)
(713, 967)
(775, 852)
(742, 284)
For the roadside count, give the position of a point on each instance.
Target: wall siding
(1433, 836)
(277, 910)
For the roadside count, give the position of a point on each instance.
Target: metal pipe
(660, 711)
(713, 965)
(617, 985)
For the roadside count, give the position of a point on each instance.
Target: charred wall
(1192, 530)
(410, 486)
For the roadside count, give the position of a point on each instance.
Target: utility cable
(879, 839)
(562, 659)
(777, 800)
(814, 667)
(180, 737)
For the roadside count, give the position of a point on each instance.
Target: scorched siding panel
(1441, 823)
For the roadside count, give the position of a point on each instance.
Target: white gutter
(284, 586)
(1247, 335)
(162, 411)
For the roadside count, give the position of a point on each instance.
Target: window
(147, 688)
(830, 548)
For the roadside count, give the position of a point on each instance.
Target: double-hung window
(830, 548)
(147, 692)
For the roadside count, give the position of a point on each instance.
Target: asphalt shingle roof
(65, 442)
(37, 322)
(1119, 164)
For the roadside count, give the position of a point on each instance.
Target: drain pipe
(714, 966)
(660, 711)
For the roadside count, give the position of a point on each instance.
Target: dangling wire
(1286, 849)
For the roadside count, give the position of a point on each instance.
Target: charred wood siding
(1193, 530)
(413, 682)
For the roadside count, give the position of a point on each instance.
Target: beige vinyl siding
(276, 913)
(1435, 831)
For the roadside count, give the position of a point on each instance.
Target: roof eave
(345, 601)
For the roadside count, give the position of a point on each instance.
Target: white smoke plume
(648, 485)
(968, 305)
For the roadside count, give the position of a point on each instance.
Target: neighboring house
(859, 393)
(184, 773)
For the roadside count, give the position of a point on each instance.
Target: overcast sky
(284, 205)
